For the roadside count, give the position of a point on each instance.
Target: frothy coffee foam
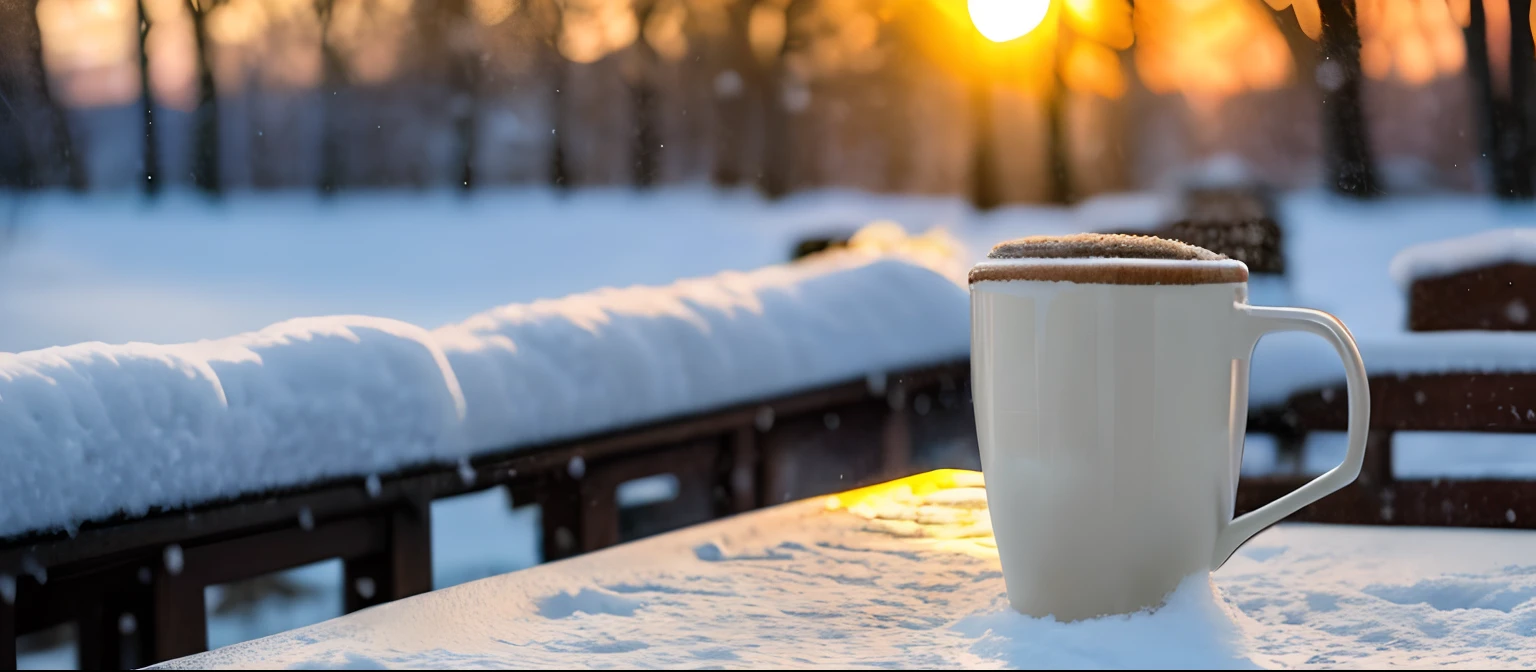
(1107, 259)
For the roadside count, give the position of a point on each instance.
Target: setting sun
(1004, 20)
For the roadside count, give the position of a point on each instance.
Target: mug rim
(1110, 271)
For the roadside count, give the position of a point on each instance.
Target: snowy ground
(116, 270)
(897, 580)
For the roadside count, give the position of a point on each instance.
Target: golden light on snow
(947, 507)
(1004, 20)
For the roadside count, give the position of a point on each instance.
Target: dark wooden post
(7, 634)
(559, 498)
(402, 569)
(896, 435)
(1377, 470)
(180, 616)
(598, 503)
(742, 484)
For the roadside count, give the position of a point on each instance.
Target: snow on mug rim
(1107, 259)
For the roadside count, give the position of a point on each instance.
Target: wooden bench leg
(742, 470)
(1377, 470)
(99, 642)
(896, 437)
(7, 635)
(180, 617)
(403, 569)
(559, 498)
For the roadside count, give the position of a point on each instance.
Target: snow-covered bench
(137, 475)
(1486, 281)
(1466, 363)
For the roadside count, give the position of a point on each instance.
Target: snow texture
(803, 586)
(1454, 255)
(92, 430)
(583, 364)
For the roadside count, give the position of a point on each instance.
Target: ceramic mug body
(1111, 421)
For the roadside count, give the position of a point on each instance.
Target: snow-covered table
(887, 578)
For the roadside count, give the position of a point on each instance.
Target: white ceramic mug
(1111, 416)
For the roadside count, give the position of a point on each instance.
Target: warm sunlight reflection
(947, 506)
(1004, 20)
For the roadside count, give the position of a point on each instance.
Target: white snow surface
(1454, 255)
(914, 585)
(91, 430)
(587, 363)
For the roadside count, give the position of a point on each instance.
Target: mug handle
(1254, 323)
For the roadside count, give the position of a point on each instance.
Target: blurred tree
(1056, 125)
(1347, 151)
(985, 191)
(151, 156)
(1522, 97)
(740, 89)
(449, 40)
(645, 146)
(554, 64)
(332, 79)
(778, 141)
(42, 148)
(1501, 126)
(205, 142)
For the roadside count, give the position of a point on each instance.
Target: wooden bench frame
(1465, 402)
(119, 567)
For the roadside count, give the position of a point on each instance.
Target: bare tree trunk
(778, 145)
(1522, 107)
(332, 78)
(17, 168)
(446, 36)
(985, 191)
(737, 91)
(28, 106)
(1056, 143)
(151, 155)
(205, 159)
(1057, 150)
(1475, 35)
(1347, 153)
(646, 145)
(554, 64)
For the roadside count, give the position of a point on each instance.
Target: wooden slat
(1471, 402)
(249, 557)
(1500, 297)
(1473, 503)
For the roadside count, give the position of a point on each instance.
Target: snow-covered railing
(136, 475)
(93, 430)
